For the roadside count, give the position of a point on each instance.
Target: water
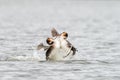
(93, 28)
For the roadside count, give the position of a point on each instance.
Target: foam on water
(36, 56)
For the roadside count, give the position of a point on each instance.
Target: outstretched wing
(54, 32)
(40, 46)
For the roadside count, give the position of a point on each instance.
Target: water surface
(93, 28)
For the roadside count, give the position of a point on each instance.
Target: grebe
(59, 47)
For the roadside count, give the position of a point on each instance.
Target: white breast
(56, 54)
(60, 54)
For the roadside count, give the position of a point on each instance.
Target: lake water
(93, 27)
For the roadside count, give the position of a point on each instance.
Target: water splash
(36, 56)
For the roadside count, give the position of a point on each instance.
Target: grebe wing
(48, 52)
(72, 47)
(40, 46)
(54, 32)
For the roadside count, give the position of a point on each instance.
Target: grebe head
(64, 35)
(50, 41)
(55, 41)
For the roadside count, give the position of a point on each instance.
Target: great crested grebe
(59, 47)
